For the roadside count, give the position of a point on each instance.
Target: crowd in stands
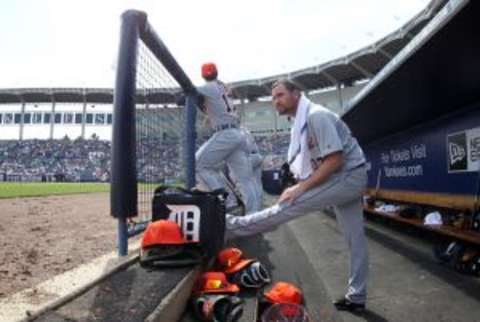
(273, 149)
(55, 160)
(158, 160)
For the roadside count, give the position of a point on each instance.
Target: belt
(224, 127)
(358, 166)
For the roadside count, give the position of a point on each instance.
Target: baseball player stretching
(330, 166)
(227, 144)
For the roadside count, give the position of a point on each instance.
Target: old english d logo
(188, 218)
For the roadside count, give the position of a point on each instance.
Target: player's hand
(292, 193)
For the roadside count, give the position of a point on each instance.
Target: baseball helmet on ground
(214, 283)
(283, 292)
(254, 275)
(218, 307)
(163, 245)
(231, 260)
(285, 313)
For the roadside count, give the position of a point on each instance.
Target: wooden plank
(453, 201)
(460, 234)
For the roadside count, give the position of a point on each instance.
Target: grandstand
(88, 115)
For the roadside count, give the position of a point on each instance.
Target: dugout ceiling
(360, 65)
(436, 74)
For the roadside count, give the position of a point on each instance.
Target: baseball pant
(228, 146)
(256, 160)
(343, 192)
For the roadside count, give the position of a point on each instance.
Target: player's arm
(330, 146)
(330, 164)
(200, 102)
(202, 92)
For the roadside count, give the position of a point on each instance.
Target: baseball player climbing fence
(153, 139)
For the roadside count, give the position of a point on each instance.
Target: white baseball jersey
(327, 133)
(218, 105)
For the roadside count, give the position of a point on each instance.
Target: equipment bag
(200, 215)
(276, 180)
(272, 182)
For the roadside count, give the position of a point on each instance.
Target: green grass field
(28, 189)
(37, 189)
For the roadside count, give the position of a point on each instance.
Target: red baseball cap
(209, 70)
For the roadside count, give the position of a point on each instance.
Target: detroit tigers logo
(188, 218)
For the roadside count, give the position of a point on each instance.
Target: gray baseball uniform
(228, 144)
(326, 133)
(256, 160)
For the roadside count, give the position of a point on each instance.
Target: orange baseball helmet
(163, 245)
(209, 70)
(285, 293)
(286, 312)
(163, 232)
(231, 260)
(214, 282)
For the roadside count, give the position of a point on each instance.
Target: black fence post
(124, 176)
(190, 117)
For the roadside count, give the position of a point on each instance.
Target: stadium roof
(360, 65)
(437, 74)
(79, 95)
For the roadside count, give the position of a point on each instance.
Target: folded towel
(298, 153)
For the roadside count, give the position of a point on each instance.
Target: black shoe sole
(345, 305)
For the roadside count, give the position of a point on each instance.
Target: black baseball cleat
(344, 304)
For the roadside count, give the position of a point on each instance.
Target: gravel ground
(44, 237)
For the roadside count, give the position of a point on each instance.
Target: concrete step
(282, 254)
(406, 283)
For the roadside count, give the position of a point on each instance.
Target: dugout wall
(418, 121)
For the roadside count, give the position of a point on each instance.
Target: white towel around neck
(298, 153)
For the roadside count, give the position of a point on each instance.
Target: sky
(64, 43)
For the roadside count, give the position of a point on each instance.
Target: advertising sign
(440, 157)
